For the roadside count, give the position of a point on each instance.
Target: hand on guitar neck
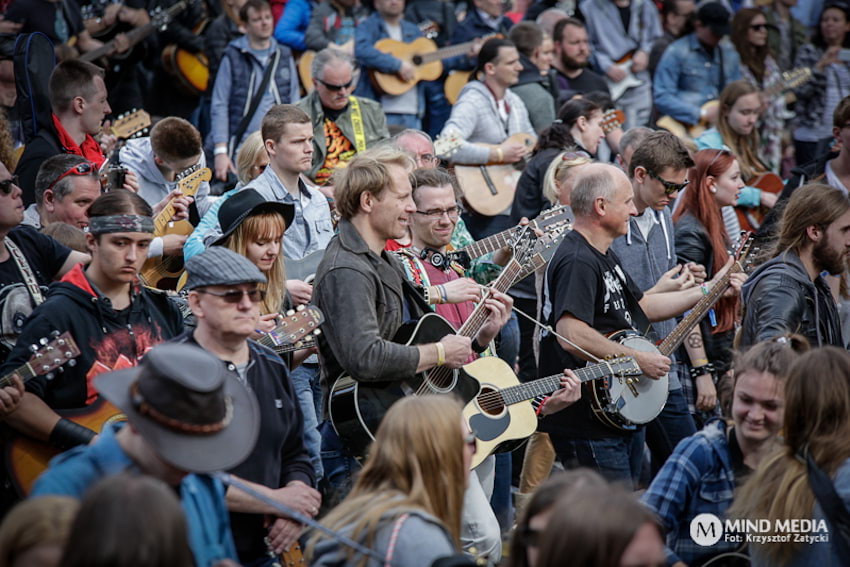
(569, 394)
(10, 396)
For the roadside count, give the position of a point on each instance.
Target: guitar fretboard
(25, 372)
(445, 52)
(543, 386)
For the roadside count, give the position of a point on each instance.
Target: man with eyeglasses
(343, 124)
(65, 188)
(225, 297)
(25, 256)
(113, 320)
(256, 72)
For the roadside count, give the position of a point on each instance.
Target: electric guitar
(623, 403)
(165, 271)
(357, 408)
(502, 417)
(52, 354)
(619, 88)
(425, 57)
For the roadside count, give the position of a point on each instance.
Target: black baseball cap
(716, 17)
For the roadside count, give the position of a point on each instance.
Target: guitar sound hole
(490, 401)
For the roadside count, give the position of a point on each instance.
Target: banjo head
(651, 394)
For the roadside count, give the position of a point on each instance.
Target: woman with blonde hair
(558, 181)
(813, 466)
(406, 503)
(35, 531)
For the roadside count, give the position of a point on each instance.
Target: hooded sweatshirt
(137, 155)
(107, 339)
(533, 89)
(780, 297)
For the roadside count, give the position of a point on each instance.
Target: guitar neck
(489, 244)
(677, 336)
(160, 222)
(544, 386)
(134, 36)
(781, 86)
(446, 52)
(476, 320)
(25, 372)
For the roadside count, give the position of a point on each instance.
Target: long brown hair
(752, 57)
(699, 202)
(744, 147)
(817, 421)
(263, 226)
(814, 204)
(415, 463)
(44, 521)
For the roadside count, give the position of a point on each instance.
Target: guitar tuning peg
(317, 332)
(42, 341)
(72, 362)
(300, 308)
(290, 313)
(50, 376)
(54, 334)
(33, 349)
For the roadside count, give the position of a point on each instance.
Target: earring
(713, 189)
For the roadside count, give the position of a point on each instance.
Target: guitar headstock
(131, 125)
(552, 219)
(745, 247)
(448, 143)
(623, 366)
(613, 119)
(190, 180)
(50, 354)
(296, 325)
(796, 77)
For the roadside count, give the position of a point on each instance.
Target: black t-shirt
(586, 82)
(45, 257)
(592, 287)
(60, 21)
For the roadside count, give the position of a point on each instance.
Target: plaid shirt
(696, 479)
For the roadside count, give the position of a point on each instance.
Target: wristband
(66, 434)
(477, 347)
(704, 287)
(220, 150)
(443, 293)
(426, 293)
(542, 403)
(441, 354)
(500, 156)
(697, 362)
(698, 371)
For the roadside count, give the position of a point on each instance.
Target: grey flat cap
(221, 266)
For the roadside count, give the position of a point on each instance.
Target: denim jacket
(698, 478)
(687, 77)
(202, 496)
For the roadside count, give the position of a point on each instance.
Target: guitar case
(34, 60)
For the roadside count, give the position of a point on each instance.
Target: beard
(571, 64)
(826, 258)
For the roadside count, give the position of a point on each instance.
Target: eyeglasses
(333, 87)
(669, 186)
(758, 27)
(435, 214)
(7, 185)
(235, 295)
(574, 156)
(84, 168)
(470, 441)
(428, 158)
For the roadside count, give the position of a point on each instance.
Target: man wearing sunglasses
(113, 320)
(225, 297)
(29, 262)
(256, 73)
(65, 188)
(343, 124)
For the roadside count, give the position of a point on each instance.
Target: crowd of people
(510, 283)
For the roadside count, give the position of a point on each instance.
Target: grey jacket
(137, 155)
(363, 299)
(476, 119)
(420, 541)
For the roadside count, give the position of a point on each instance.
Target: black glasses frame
(669, 186)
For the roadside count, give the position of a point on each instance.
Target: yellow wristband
(441, 354)
(500, 156)
(699, 362)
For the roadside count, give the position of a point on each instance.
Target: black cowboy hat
(247, 203)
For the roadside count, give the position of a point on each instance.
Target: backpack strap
(26, 272)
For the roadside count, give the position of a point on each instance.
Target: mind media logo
(706, 529)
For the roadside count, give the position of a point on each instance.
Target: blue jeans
(340, 467)
(501, 499)
(609, 457)
(406, 120)
(305, 380)
(665, 431)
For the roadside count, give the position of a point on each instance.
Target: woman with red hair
(701, 238)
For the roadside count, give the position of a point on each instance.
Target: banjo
(625, 401)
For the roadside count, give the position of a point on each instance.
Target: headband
(120, 223)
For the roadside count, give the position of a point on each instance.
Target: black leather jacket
(780, 297)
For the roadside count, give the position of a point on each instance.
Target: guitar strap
(26, 272)
(357, 124)
(833, 508)
(271, 69)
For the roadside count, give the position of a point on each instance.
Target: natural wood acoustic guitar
(752, 217)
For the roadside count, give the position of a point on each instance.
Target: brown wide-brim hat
(183, 402)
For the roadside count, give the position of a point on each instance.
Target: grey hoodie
(137, 155)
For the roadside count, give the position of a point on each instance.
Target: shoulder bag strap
(26, 271)
(388, 560)
(255, 103)
(833, 508)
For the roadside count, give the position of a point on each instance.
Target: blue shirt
(72, 473)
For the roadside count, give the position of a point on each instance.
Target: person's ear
(582, 123)
(814, 233)
(367, 201)
(48, 201)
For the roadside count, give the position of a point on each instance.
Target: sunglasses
(669, 186)
(235, 295)
(574, 156)
(84, 168)
(758, 27)
(8, 185)
(333, 87)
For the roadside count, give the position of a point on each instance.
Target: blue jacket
(697, 479)
(712, 140)
(687, 78)
(239, 76)
(368, 32)
(292, 26)
(72, 473)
